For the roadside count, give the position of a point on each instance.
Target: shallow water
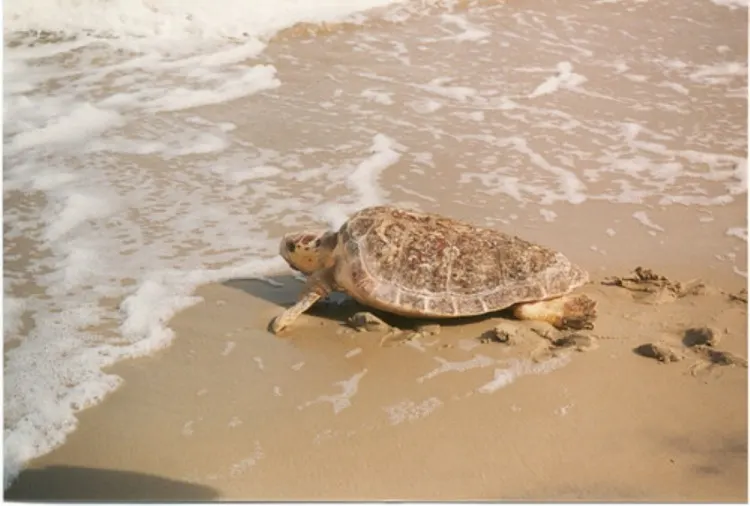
(145, 157)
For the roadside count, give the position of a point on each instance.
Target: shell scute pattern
(470, 305)
(444, 303)
(425, 266)
(410, 301)
(427, 263)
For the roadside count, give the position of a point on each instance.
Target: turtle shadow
(278, 290)
(59, 483)
(283, 291)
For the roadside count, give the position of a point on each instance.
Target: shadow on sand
(284, 290)
(64, 483)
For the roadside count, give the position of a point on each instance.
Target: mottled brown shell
(421, 264)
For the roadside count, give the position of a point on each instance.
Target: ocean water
(151, 146)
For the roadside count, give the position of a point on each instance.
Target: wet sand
(230, 412)
(252, 416)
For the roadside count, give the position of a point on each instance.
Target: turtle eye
(317, 243)
(290, 246)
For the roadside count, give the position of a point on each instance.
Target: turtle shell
(421, 264)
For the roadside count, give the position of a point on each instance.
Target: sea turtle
(429, 266)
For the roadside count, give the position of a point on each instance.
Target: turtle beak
(287, 246)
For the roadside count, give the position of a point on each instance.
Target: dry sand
(231, 412)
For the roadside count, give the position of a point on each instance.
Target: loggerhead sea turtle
(429, 266)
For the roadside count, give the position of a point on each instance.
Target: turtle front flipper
(316, 287)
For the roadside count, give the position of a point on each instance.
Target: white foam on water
(439, 86)
(246, 464)
(40, 408)
(740, 232)
(425, 106)
(410, 411)
(258, 78)
(719, 73)
(78, 125)
(564, 78)
(568, 187)
(379, 97)
(733, 4)
(191, 19)
(228, 348)
(470, 31)
(259, 362)
(446, 366)
(517, 368)
(364, 179)
(342, 400)
(563, 410)
(676, 87)
(75, 209)
(643, 218)
(353, 353)
(548, 215)
(187, 428)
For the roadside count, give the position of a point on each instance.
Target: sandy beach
(229, 412)
(614, 132)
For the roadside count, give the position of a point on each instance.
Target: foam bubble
(341, 400)
(719, 73)
(477, 361)
(352, 353)
(518, 368)
(75, 127)
(379, 97)
(258, 78)
(364, 179)
(76, 209)
(410, 411)
(548, 215)
(470, 31)
(733, 4)
(740, 232)
(244, 465)
(253, 173)
(564, 78)
(643, 218)
(259, 362)
(439, 86)
(228, 348)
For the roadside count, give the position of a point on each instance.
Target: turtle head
(309, 251)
